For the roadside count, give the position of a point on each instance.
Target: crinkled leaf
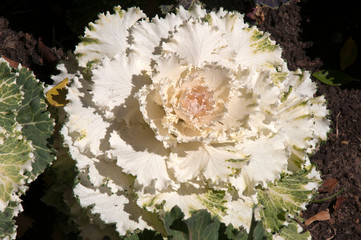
(36, 123)
(348, 53)
(334, 77)
(283, 199)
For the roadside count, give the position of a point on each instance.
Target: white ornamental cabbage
(195, 109)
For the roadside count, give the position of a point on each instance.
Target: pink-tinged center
(196, 102)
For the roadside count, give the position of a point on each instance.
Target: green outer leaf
(201, 226)
(283, 199)
(37, 125)
(334, 77)
(174, 226)
(10, 97)
(233, 234)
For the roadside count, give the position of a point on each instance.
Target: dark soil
(311, 38)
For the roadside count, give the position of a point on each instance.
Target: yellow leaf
(348, 54)
(56, 95)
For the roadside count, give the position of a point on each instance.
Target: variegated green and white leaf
(25, 129)
(35, 120)
(286, 197)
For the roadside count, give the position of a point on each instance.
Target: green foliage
(35, 120)
(334, 77)
(348, 55)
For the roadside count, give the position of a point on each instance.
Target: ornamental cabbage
(196, 110)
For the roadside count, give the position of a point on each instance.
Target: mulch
(311, 40)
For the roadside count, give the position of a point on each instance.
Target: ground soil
(311, 38)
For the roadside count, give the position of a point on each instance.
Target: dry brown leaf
(46, 52)
(11, 62)
(320, 216)
(340, 200)
(328, 185)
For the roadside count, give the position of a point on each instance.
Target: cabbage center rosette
(195, 109)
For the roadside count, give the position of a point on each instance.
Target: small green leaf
(348, 53)
(234, 234)
(259, 232)
(201, 226)
(334, 77)
(174, 225)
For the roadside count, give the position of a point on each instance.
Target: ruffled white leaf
(60, 77)
(86, 127)
(148, 165)
(196, 11)
(148, 37)
(83, 162)
(113, 81)
(170, 69)
(190, 160)
(108, 36)
(110, 208)
(267, 159)
(219, 203)
(300, 110)
(188, 198)
(197, 43)
(253, 48)
(239, 212)
(186, 202)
